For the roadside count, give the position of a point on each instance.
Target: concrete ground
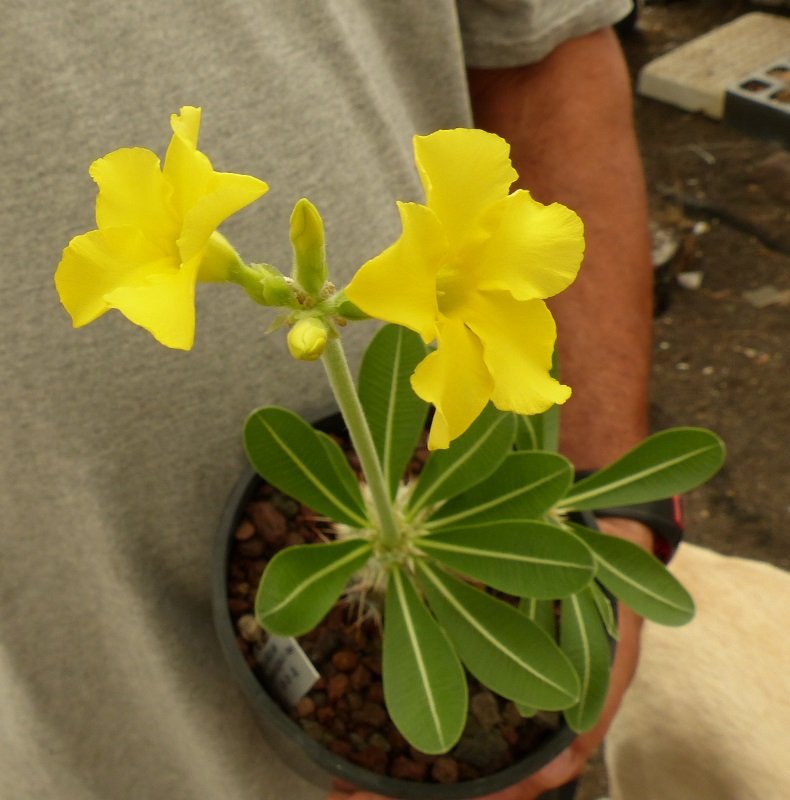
(721, 347)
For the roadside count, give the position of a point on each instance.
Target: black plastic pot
(303, 754)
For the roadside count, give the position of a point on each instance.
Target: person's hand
(570, 762)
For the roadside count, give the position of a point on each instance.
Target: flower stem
(336, 365)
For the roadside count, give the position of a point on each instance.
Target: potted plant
(474, 565)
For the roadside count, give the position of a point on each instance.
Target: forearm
(568, 119)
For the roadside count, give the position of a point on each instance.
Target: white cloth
(706, 716)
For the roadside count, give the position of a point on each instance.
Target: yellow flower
(471, 270)
(156, 236)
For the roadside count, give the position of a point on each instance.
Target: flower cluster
(470, 272)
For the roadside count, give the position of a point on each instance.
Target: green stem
(336, 365)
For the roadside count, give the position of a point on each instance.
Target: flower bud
(307, 239)
(307, 339)
(219, 258)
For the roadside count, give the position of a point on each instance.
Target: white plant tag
(288, 671)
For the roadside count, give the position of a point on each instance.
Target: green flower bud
(307, 239)
(307, 339)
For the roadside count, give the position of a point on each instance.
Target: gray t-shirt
(118, 454)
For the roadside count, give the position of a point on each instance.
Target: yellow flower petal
(399, 285)
(98, 262)
(463, 173)
(518, 340)
(165, 307)
(186, 124)
(535, 250)
(226, 194)
(133, 192)
(186, 169)
(455, 379)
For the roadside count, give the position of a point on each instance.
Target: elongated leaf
(606, 610)
(542, 613)
(340, 463)
(526, 559)
(638, 578)
(295, 458)
(666, 463)
(470, 458)
(499, 645)
(395, 414)
(583, 640)
(424, 683)
(302, 583)
(538, 432)
(528, 434)
(526, 485)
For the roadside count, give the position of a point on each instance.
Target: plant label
(289, 672)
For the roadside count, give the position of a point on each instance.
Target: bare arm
(568, 119)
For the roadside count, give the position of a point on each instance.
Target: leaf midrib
(499, 500)
(571, 499)
(302, 587)
(408, 622)
(662, 600)
(456, 465)
(390, 421)
(312, 478)
(499, 555)
(486, 634)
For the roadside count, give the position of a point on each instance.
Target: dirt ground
(721, 349)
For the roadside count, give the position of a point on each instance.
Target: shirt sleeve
(510, 33)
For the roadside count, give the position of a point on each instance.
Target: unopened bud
(307, 239)
(307, 339)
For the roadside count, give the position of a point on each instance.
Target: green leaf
(528, 433)
(302, 583)
(666, 463)
(339, 462)
(499, 645)
(395, 414)
(542, 613)
(300, 461)
(539, 431)
(469, 459)
(526, 559)
(605, 608)
(583, 640)
(638, 578)
(527, 484)
(424, 683)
